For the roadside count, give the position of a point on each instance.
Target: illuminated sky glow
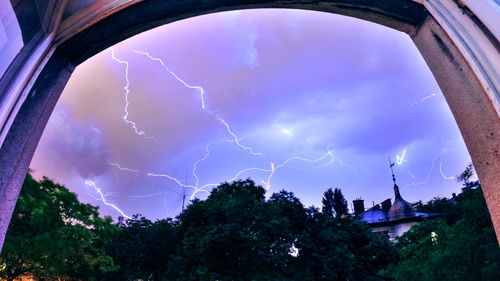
(295, 100)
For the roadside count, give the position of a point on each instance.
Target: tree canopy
(52, 234)
(334, 203)
(460, 246)
(239, 234)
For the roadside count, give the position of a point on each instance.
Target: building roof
(401, 209)
(374, 215)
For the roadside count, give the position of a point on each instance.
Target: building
(390, 220)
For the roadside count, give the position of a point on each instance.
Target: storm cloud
(289, 83)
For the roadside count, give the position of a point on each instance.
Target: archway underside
(77, 38)
(405, 16)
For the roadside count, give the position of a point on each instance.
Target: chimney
(359, 206)
(386, 205)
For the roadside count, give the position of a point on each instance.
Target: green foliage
(461, 246)
(334, 203)
(142, 249)
(436, 205)
(237, 235)
(339, 203)
(328, 203)
(466, 175)
(233, 235)
(340, 249)
(53, 235)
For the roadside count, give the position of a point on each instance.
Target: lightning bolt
(428, 173)
(146, 195)
(235, 139)
(274, 168)
(195, 165)
(401, 159)
(423, 99)
(267, 184)
(103, 198)
(442, 174)
(116, 165)
(201, 92)
(126, 88)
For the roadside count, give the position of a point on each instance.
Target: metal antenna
(184, 191)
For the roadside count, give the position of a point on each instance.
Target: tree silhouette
(339, 203)
(466, 175)
(328, 203)
(52, 235)
(334, 203)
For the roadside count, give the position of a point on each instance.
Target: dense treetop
(238, 234)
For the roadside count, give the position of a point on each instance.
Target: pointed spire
(397, 195)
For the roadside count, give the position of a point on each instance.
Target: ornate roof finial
(390, 165)
(397, 195)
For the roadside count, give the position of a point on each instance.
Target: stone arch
(457, 40)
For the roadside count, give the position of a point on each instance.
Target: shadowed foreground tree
(52, 235)
(460, 246)
(142, 249)
(334, 203)
(339, 203)
(328, 203)
(235, 234)
(340, 249)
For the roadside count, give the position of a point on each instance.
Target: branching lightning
(401, 159)
(274, 168)
(201, 92)
(442, 174)
(127, 93)
(267, 183)
(236, 139)
(196, 188)
(103, 198)
(428, 173)
(116, 165)
(195, 165)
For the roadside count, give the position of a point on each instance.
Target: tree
(234, 235)
(461, 246)
(334, 203)
(339, 203)
(466, 175)
(52, 234)
(142, 249)
(328, 203)
(341, 249)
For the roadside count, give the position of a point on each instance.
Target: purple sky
(289, 83)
